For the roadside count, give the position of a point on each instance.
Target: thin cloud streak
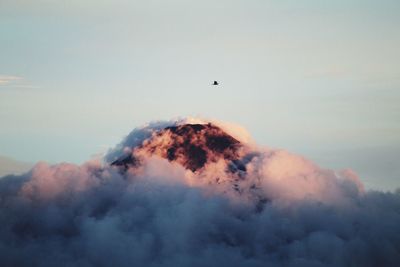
(9, 79)
(15, 81)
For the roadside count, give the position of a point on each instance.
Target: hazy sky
(319, 78)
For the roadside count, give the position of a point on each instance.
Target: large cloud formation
(195, 193)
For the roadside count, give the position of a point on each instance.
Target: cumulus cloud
(146, 205)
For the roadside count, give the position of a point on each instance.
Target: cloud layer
(260, 207)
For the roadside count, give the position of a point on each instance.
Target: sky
(318, 78)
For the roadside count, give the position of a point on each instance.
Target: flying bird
(215, 83)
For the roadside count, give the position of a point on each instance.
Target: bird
(215, 83)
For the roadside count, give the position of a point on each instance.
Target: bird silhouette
(215, 83)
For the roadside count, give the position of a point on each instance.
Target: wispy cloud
(15, 81)
(9, 79)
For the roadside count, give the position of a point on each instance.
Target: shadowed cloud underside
(195, 193)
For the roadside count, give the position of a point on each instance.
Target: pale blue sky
(319, 78)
